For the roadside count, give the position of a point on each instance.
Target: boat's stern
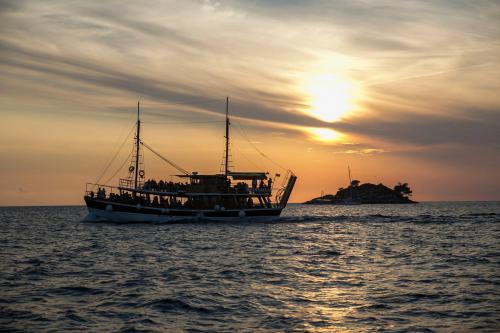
(283, 200)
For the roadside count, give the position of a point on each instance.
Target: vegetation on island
(367, 193)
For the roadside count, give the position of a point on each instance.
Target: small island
(367, 193)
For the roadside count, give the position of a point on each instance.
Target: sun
(330, 98)
(324, 134)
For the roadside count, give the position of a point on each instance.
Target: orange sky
(400, 91)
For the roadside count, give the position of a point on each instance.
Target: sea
(428, 267)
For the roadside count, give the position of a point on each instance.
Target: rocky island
(367, 193)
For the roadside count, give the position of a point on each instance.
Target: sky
(399, 91)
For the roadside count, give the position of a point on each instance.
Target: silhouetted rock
(367, 194)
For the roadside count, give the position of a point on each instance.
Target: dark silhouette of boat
(232, 195)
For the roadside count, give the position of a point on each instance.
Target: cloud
(366, 151)
(111, 16)
(10, 5)
(476, 127)
(158, 90)
(257, 61)
(379, 43)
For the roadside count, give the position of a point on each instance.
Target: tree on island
(355, 183)
(403, 189)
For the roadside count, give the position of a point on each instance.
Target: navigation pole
(137, 143)
(227, 138)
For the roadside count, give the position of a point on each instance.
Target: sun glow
(330, 97)
(324, 134)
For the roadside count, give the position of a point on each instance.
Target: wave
(381, 218)
(330, 253)
(75, 291)
(168, 305)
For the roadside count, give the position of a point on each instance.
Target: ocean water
(388, 268)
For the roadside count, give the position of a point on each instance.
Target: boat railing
(92, 189)
(280, 191)
(259, 190)
(126, 182)
(106, 192)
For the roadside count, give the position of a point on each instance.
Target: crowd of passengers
(243, 187)
(240, 187)
(161, 202)
(164, 186)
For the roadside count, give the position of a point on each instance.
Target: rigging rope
(246, 157)
(121, 167)
(183, 122)
(114, 157)
(164, 159)
(257, 149)
(191, 103)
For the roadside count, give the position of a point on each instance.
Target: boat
(351, 200)
(354, 198)
(226, 196)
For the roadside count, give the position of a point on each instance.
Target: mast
(137, 143)
(227, 138)
(349, 171)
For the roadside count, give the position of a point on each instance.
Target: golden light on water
(330, 98)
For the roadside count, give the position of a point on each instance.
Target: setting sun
(324, 134)
(330, 97)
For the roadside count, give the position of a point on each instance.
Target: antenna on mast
(226, 160)
(137, 145)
